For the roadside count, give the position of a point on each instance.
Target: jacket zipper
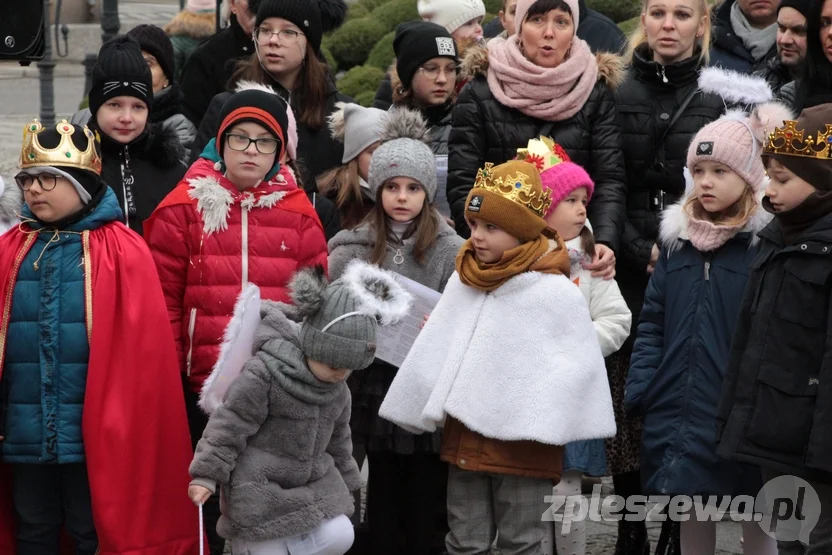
(245, 246)
(662, 75)
(707, 270)
(191, 328)
(125, 165)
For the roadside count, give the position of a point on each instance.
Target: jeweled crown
(543, 153)
(515, 186)
(66, 154)
(790, 141)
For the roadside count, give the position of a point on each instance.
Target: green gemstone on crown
(69, 155)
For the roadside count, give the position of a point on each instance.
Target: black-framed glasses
(47, 181)
(289, 36)
(264, 145)
(432, 72)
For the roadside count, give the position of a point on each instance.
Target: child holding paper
(403, 234)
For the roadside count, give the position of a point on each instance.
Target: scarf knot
(551, 94)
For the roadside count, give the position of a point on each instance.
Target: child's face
(785, 190)
(469, 30)
(434, 83)
(402, 199)
(716, 186)
(50, 197)
(489, 241)
(326, 373)
(569, 217)
(246, 162)
(507, 16)
(122, 118)
(364, 160)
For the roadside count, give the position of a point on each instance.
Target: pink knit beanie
(201, 5)
(558, 173)
(730, 140)
(524, 5)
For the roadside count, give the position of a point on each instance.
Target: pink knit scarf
(550, 94)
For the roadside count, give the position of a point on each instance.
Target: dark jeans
(47, 498)
(197, 420)
(405, 494)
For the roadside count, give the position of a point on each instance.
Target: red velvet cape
(134, 424)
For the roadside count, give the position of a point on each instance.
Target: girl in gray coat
(279, 445)
(403, 233)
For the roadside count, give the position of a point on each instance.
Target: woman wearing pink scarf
(542, 81)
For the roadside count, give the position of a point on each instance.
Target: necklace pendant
(398, 258)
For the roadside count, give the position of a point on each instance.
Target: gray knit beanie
(355, 126)
(404, 152)
(341, 318)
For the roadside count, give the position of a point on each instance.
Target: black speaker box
(21, 30)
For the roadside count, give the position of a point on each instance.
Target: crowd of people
(630, 239)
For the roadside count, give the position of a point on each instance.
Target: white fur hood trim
(673, 229)
(214, 202)
(377, 291)
(505, 365)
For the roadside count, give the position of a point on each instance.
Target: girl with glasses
(238, 217)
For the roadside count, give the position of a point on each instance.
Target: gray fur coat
(280, 445)
(359, 243)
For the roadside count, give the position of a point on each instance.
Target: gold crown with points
(514, 182)
(790, 141)
(66, 154)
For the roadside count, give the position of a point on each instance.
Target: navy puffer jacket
(679, 360)
(45, 371)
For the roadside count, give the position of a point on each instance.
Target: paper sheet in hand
(394, 342)
(441, 171)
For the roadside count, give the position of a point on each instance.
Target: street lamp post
(46, 69)
(109, 19)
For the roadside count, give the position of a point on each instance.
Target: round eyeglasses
(47, 181)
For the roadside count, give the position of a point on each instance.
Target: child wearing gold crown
(509, 363)
(90, 398)
(776, 406)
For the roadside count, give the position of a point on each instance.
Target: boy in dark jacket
(776, 406)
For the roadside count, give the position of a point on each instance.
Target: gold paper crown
(790, 141)
(66, 154)
(543, 153)
(515, 186)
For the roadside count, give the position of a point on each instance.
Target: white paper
(394, 342)
(441, 172)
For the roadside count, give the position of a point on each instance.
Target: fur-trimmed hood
(194, 25)
(611, 67)
(673, 229)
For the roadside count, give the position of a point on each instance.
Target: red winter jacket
(208, 240)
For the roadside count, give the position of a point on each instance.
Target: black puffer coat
(142, 172)
(776, 405)
(486, 131)
(646, 105)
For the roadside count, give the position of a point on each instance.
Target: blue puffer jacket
(679, 359)
(45, 371)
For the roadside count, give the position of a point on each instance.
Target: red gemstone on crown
(788, 135)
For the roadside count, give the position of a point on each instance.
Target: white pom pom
(218, 166)
(767, 117)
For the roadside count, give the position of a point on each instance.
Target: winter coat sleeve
(314, 251)
(649, 345)
(197, 97)
(207, 127)
(240, 416)
(384, 94)
(788, 94)
(608, 208)
(184, 129)
(340, 257)
(466, 153)
(635, 249)
(340, 448)
(819, 451)
(168, 244)
(610, 315)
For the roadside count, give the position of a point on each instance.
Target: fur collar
(194, 25)
(611, 69)
(214, 201)
(673, 231)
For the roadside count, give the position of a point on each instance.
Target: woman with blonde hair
(660, 108)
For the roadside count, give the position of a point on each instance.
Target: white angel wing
(236, 350)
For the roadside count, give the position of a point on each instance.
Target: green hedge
(382, 54)
(493, 6)
(394, 12)
(366, 98)
(370, 5)
(330, 59)
(352, 43)
(357, 11)
(630, 25)
(360, 79)
(617, 10)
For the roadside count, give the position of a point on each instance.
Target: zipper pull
(399, 257)
(664, 77)
(707, 270)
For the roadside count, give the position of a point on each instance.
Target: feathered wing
(735, 88)
(237, 348)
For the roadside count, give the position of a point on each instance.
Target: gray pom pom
(307, 289)
(403, 123)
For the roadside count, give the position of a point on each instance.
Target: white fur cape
(519, 363)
